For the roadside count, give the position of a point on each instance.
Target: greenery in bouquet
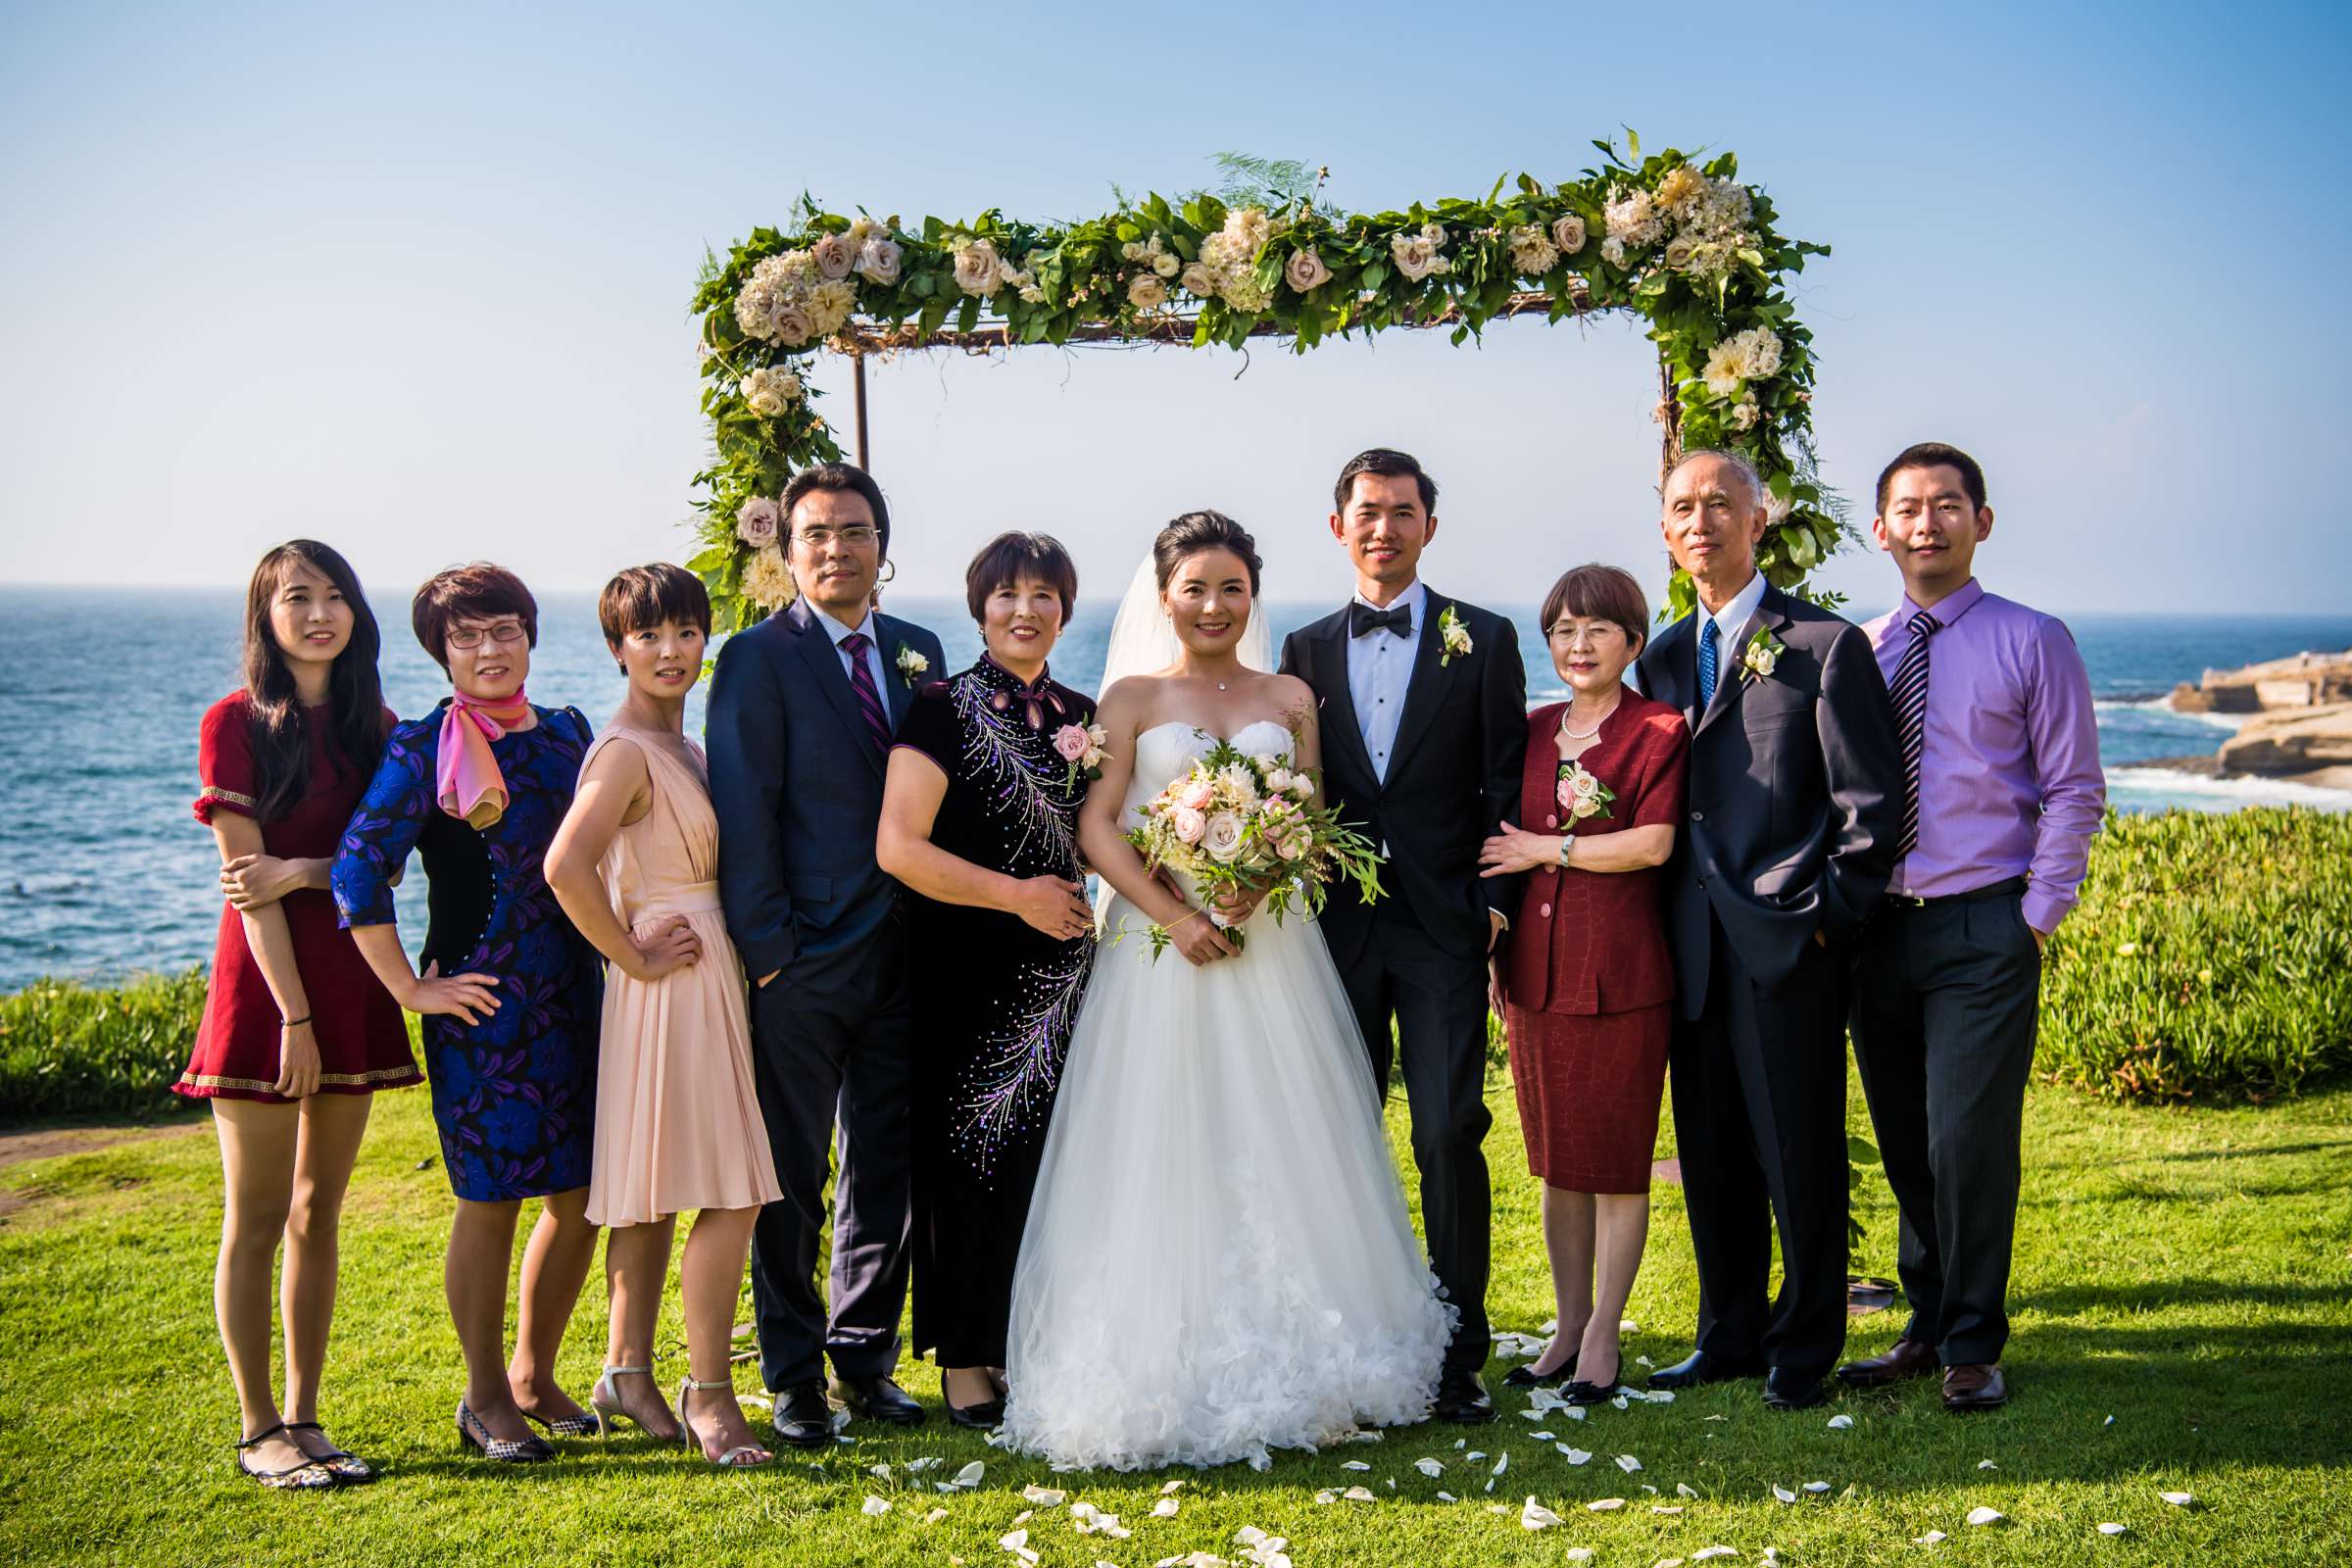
(1248, 824)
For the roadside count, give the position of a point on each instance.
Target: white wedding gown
(1218, 1259)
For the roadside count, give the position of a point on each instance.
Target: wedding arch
(1686, 246)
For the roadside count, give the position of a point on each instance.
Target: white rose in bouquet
(1221, 837)
(1278, 779)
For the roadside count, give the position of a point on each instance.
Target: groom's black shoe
(803, 1420)
(1785, 1390)
(1461, 1397)
(1699, 1368)
(878, 1399)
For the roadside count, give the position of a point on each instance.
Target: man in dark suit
(1424, 720)
(802, 708)
(1794, 810)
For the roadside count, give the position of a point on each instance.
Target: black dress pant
(821, 1059)
(1759, 1124)
(1438, 1003)
(1947, 1004)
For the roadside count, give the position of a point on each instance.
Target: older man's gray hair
(1737, 462)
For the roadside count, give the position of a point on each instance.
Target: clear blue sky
(416, 282)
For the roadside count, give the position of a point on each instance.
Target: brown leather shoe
(1978, 1386)
(1907, 1359)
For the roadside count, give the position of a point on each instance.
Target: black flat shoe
(1588, 1394)
(308, 1476)
(1699, 1368)
(347, 1468)
(802, 1418)
(1462, 1397)
(878, 1399)
(1527, 1377)
(1788, 1391)
(986, 1416)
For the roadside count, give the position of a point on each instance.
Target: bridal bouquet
(1241, 824)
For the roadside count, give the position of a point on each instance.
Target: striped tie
(1909, 689)
(1708, 657)
(861, 681)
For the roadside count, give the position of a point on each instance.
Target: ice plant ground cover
(2184, 1292)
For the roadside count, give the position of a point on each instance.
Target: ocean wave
(2161, 707)
(2207, 793)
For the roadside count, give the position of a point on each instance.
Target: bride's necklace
(1587, 734)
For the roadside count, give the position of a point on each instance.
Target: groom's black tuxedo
(1794, 803)
(1416, 960)
(796, 777)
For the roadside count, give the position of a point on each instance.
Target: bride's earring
(621, 666)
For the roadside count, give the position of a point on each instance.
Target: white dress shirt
(873, 651)
(1380, 666)
(1729, 621)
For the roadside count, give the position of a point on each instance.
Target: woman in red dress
(297, 1031)
(1583, 980)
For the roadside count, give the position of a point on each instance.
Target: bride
(1217, 1260)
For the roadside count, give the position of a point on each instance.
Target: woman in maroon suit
(1582, 980)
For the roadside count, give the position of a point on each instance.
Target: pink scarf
(467, 776)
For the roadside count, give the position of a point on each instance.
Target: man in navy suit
(802, 709)
(1794, 804)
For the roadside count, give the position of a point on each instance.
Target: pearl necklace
(1586, 734)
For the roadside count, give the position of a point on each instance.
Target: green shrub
(71, 1050)
(2211, 959)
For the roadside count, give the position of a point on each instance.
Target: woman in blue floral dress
(511, 995)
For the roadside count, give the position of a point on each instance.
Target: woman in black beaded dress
(979, 821)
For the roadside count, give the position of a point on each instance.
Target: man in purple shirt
(2002, 791)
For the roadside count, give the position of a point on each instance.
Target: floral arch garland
(1686, 246)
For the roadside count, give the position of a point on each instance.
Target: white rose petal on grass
(1501, 1464)
(874, 1508)
(1164, 1508)
(1709, 1553)
(1579, 1553)
(1783, 1494)
(970, 1476)
(1840, 1423)
(1604, 1506)
(1475, 1454)
(1666, 1507)
(1928, 1539)
(1360, 1494)
(1986, 1516)
(1986, 1464)
(1358, 1464)
(880, 1472)
(1171, 1489)
(1448, 1497)
(1024, 1516)
(1045, 1496)
(2112, 1529)
(1628, 1463)
(1574, 1412)
(1621, 1402)
(1431, 1468)
(916, 1467)
(935, 1516)
(1573, 1456)
(2180, 1499)
(1680, 1489)
(1816, 1488)
(1326, 1498)
(1532, 1515)
(1542, 1436)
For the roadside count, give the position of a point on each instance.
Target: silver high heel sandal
(735, 1458)
(605, 1399)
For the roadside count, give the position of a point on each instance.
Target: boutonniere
(912, 666)
(1762, 658)
(1453, 636)
(1082, 747)
(1581, 795)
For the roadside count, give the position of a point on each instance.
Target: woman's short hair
(1008, 558)
(478, 591)
(1602, 593)
(1195, 533)
(642, 597)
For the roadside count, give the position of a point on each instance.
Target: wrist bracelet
(294, 1024)
(1567, 843)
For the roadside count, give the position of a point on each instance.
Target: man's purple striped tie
(1909, 692)
(861, 681)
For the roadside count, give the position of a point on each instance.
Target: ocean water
(104, 870)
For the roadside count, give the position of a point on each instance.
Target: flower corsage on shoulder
(1082, 747)
(1453, 637)
(912, 666)
(1762, 658)
(1581, 795)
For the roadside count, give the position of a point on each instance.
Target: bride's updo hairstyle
(1197, 532)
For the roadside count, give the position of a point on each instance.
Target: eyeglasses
(857, 535)
(498, 631)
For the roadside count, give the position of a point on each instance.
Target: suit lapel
(1422, 696)
(1675, 669)
(898, 691)
(824, 667)
(1341, 728)
(1730, 679)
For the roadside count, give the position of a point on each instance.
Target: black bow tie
(1363, 619)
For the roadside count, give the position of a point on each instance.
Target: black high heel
(472, 1434)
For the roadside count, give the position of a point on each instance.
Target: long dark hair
(355, 711)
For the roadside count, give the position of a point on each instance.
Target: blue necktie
(1709, 658)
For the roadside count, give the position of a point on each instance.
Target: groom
(1424, 719)
(1794, 804)
(802, 708)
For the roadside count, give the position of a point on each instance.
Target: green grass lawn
(2184, 1309)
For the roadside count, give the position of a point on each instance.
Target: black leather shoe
(986, 1416)
(1699, 1368)
(1461, 1397)
(878, 1399)
(1785, 1390)
(1527, 1377)
(802, 1418)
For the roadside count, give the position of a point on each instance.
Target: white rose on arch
(1166, 263)
(976, 268)
(1146, 292)
(835, 254)
(1415, 255)
(1568, 234)
(879, 260)
(756, 522)
(767, 390)
(1305, 271)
